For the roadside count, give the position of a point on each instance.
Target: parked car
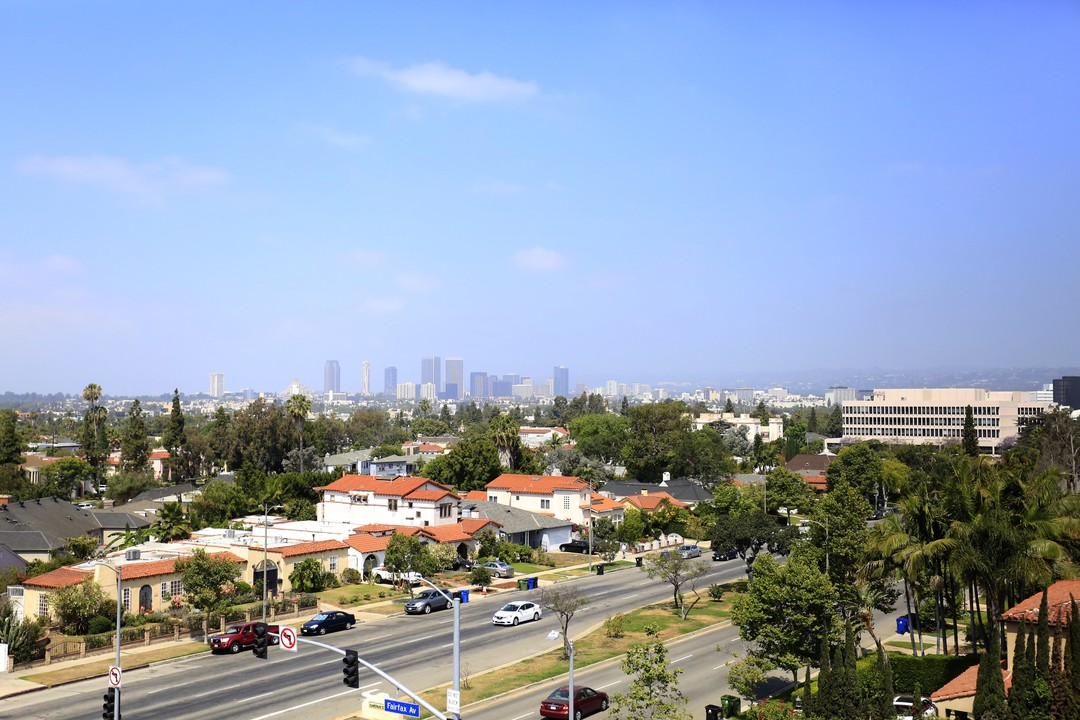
(461, 563)
(385, 576)
(86, 506)
(428, 600)
(690, 551)
(905, 710)
(575, 546)
(514, 612)
(328, 621)
(586, 702)
(729, 554)
(239, 637)
(499, 569)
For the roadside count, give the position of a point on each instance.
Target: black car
(461, 563)
(725, 554)
(328, 621)
(575, 546)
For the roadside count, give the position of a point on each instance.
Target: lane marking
(687, 657)
(170, 687)
(304, 705)
(613, 682)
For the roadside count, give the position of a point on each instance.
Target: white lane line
(522, 716)
(718, 667)
(175, 685)
(220, 689)
(304, 705)
(613, 682)
(252, 697)
(405, 642)
(686, 657)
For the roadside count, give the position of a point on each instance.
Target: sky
(636, 190)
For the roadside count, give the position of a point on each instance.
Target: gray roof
(42, 525)
(683, 489)
(164, 492)
(749, 478)
(346, 458)
(9, 559)
(407, 459)
(513, 520)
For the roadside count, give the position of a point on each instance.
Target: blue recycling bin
(532, 583)
(464, 596)
(903, 625)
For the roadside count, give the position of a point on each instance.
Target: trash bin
(903, 625)
(713, 712)
(637, 561)
(464, 596)
(532, 583)
(523, 584)
(600, 569)
(731, 704)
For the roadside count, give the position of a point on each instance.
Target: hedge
(929, 672)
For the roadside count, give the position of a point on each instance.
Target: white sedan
(514, 612)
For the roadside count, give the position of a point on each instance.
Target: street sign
(115, 676)
(287, 638)
(453, 700)
(401, 708)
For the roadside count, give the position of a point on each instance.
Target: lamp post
(456, 603)
(119, 618)
(555, 635)
(266, 541)
(826, 526)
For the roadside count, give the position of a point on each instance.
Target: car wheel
(427, 609)
(515, 621)
(322, 631)
(234, 648)
(577, 714)
(349, 626)
(536, 616)
(275, 639)
(603, 704)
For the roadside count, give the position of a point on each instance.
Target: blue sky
(636, 190)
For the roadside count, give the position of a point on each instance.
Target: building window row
(921, 421)
(173, 588)
(915, 432)
(960, 410)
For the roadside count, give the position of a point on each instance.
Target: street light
(555, 635)
(826, 526)
(119, 617)
(456, 602)
(266, 541)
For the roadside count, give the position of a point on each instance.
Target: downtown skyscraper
(390, 381)
(332, 376)
(365, 378)
(561, 384)
(455, 379)
(431, 372)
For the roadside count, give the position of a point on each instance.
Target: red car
(586, 702)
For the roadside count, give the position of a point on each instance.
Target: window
(445, 510)
(127, 599)
(566, 502)
(333, 563)
(176, 588)
(43, 605)
(391, 504)
(545, 504)
(164, 591)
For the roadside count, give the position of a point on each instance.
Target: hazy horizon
(638, 191)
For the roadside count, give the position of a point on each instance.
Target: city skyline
(699, 191)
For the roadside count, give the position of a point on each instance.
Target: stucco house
(561, 496)
(409, 501)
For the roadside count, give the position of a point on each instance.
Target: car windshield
(320, 616)
(560, 694)
(510, 607)
(233, 629)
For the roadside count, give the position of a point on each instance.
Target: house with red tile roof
(652, 500)
(409, 501)
(561, 496)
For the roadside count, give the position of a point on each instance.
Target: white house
(537, 437)
(408, 501)
(564, 497)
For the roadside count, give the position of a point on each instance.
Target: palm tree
(171, 524)
(504, 433)
(298, 406)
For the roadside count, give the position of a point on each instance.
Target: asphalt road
(415, 650)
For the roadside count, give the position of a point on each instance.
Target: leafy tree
(487, 543)
(785, 488)
(82, 547)
(298, 406)
(749, 534)
(205, 577)
(653, 692)
(223, 451)
(858, 465)
(405, 554)
(656, 432)
(841, 515)
(93, 437)
(74, 605)
(989, 703)
(261, 431)
(125, 485)
(738, 440)
(171, 523)
(10, 445)
(834, 423)
(480, 577)
(429, 427)
(600, 436)
(970, 440)
(605, 539)
(470, 465)
(703, 455)
(301, 509)
(782, 612)
(444, 555)
(794, 438)
(173, 438)
(678, 572)
(218, 502)
(134, 443)
(729, 406)
(66, 476)
(748, 673)
(563, 600)
(632, 528)
(19, 635)
(308, 576)
(504, 433)
(385, 450)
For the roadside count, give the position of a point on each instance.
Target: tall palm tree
(504, 433)
(298, 406)
(171, 524)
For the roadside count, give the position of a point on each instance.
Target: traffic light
(260, 640)
(351, 671)
(108, 708)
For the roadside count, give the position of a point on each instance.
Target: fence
(192, 627)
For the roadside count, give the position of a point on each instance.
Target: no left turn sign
(115, 676)
(288, 639)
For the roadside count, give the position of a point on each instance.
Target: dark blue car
(328, 621)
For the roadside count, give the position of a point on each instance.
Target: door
(146, 599)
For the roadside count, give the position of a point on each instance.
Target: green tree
(173, 438)
(1023, 678)
(93, 437)
(749, 533)
(812, 421)
(205, 577)
(74, 605)
(218, 502)
(564, 600)
(989, 703)
(125, 485)
(834, 423)
(785, 488)
(782, 612)
(504, 433)
(470, 465)
(10, 445)
(858, 465)
(748, 673)
(171, 523)
(653, 692)
(729, 407)
(632, 528)
(385, 450)
(679, 572)
(487, 543)
(655, 433)
(794, 438)
(223, 452)
(841, 516)
(298, 406)
(600, 437)
(134, 443)
(405, 554)
(82, 547)
(308, 576)
(1072, 663)
(66, 476)
(605, 539)
(970, 439)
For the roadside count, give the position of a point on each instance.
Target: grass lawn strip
(100, 667)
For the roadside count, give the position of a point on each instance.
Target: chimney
(108, 503)
(644, 491)
(5, 499)
(667, 477)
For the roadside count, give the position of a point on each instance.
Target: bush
(716, 592)
(929, 671)
(542, 557)
(100, 624)
(351, 576)
(330, 580)
(615, 626)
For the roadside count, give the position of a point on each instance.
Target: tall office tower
(455, 379)
(431, 372)
(365, 378)
(562, 380)
(390, 381)
(217, 385)
(332, 376)
(611, 388)
(478, 385)
(1067, 391)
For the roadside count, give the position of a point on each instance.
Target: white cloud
(149, 182)
(381, 305)
(437, 78)
(331, 135)
(418, 282)
(538, 258)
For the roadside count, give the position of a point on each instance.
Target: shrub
(716, 592)
(543, 557)
(351, 576)
(100, 624)
(615, 626)
(330, 580)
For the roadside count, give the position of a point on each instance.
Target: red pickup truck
(240, 636)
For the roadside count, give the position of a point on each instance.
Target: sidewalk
(64, 672)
